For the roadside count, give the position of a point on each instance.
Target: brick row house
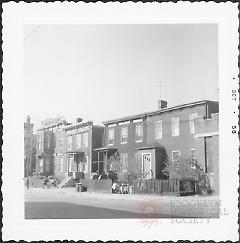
(144, 141)
(49, 148)
(66, 150)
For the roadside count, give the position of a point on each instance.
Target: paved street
(43, 204)
(67, 203)
(63, 210)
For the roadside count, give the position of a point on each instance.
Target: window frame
(191, 122)
(122, 136)
(124, 161)
(137, 135)
(157, 129)
(69, 147)
(79, 144)
(85, 140)
(112, 137)
(175, 126)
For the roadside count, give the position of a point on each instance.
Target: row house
(47, 151)
(67, 150)
(146, 140)
(81, 141)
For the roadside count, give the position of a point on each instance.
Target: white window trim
(123, 123)
(175, 118)
(140, 140)
(159, 122)
(174, 151)
(137, 120)
(121, 135)
(110, 144)
(69, 143)
(192, 117)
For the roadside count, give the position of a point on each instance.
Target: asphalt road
(56, 206)
(65, 204)
(63, 210)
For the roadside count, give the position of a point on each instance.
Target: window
(124, 161)
(60, 142)
(193, 156)
(69, 142)
(175, 155)
(124, 134)
(175, 126)
(78, 140)
(40, 144)
(139, 132)
(191, 120)
(111, 136)
(158, 129)
(85, 139)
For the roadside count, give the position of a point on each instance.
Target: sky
(103, 72)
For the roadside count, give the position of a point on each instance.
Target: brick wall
(207, 140)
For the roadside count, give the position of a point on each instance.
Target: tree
(53, 120)
(188, 170)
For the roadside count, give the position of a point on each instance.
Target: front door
(146, 166)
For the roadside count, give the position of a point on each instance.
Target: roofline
(54, 125)
(152, 113)
(76, 125)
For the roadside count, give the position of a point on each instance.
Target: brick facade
(207, 143)
(184, 142)
(56, 157)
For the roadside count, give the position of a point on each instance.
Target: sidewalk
(184, 206)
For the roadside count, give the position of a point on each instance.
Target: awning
(105, 149)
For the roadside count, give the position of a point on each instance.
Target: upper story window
(191, 120)
(110, 136)
(60, 141)
(48, 141)
(78, 140)
(139, 132)
(124, 134)
(40, 144)
(176, 157)
(69, 142)
(85, 139)
(158, 129)
(175, 126)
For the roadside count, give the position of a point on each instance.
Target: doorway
(146, 166)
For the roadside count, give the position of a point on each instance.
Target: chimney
(78, 120)
(162, 104)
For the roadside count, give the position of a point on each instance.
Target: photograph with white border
(130, 115)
